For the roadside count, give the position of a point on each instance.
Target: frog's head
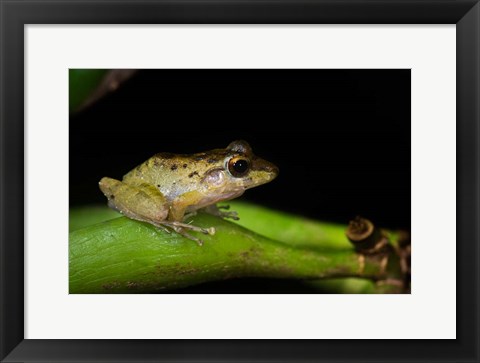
(240, 169)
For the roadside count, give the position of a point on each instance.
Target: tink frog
(167, 188)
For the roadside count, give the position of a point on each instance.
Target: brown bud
(365, 237)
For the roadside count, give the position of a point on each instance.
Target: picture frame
(16, 14)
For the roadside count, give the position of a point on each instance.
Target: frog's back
(172, 174)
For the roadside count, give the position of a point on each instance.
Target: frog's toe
(182, 229)
(193, 238)
(232, 215)
(163, 228)
(210, 230)
(185, 234)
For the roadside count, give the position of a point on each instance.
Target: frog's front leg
(215, 210)
(178, 211)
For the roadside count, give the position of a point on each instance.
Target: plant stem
(126, 256)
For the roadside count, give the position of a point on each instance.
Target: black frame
(15, 14)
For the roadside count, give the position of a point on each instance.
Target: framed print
(290, 176)
(357, 99)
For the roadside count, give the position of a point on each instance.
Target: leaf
(82, 82)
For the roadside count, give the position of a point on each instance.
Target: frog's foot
(185, 234)
(232, 215)
(182, 228)
(179, 225)
(215, 210)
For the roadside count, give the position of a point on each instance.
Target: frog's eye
(238, 167)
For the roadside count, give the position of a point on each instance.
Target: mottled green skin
(167, 186)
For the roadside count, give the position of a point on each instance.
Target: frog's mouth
(261, 172)
(264, 165)
(269, 171)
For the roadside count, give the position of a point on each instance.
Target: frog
(168, 188)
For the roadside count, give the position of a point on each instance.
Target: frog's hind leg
(145, 203)
(141, 202)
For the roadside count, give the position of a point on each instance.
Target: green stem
(126, 256)
(295, 230)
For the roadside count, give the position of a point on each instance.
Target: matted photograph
(220, 181)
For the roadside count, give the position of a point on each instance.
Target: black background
(341, 138)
